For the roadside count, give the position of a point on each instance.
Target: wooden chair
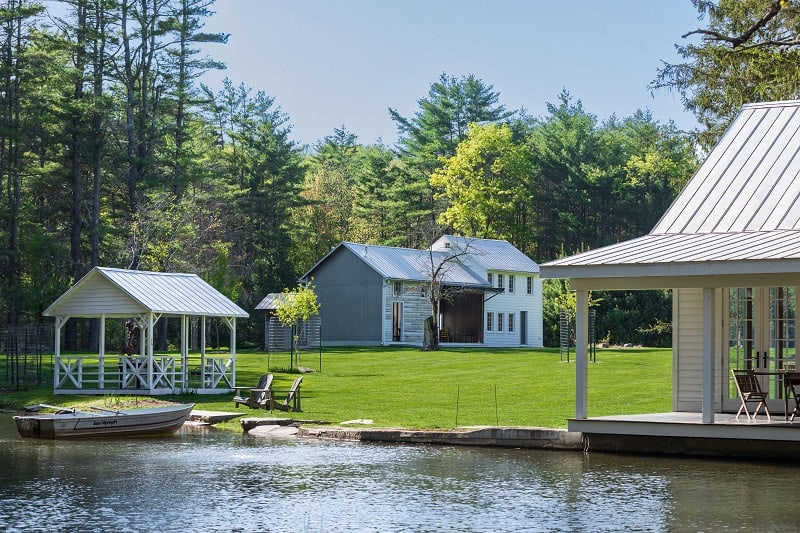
(259, 397)
(749, 389)
(791, 388)
(292, 401)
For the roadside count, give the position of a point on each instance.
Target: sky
(331, 63)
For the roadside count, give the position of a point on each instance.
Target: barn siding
(349, 293)
(416, 309)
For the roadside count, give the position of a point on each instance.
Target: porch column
(581, 353)
(708, 355)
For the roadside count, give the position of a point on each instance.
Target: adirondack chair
(750, 392)
(258, 398)
(292, 401)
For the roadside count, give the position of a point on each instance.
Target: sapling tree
(295, 306)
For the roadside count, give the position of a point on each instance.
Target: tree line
(114, 153)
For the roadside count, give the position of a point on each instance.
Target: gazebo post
(101, 353)
(233, 351)
(150, 328)
(184, 351)
(203, 351)
(60, 321)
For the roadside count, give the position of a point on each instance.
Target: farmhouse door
(761, 337)
(397, 321)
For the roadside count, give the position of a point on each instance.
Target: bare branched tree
(440, 264)
(743, 39)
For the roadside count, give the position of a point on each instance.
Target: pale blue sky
(332, 63)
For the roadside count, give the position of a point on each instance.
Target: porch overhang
(472, 289)
(697, 275)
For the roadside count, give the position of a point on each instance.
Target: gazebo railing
(129, 374)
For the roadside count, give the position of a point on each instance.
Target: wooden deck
(685, 434)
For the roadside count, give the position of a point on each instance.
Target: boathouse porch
(683, 433)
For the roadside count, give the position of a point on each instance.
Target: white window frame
(510, 283)
(500, 281)
(511, 322)
(490, 278)
(489, 320)
(500, 317)
(530, 284)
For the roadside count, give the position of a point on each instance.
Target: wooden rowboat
(99, 422)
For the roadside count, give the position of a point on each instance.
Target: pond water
(208, 480)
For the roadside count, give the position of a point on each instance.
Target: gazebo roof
(738, 216)
(119, 292)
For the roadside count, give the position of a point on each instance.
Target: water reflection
(216, 481)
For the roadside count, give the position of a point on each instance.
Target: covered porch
(141, 299)
(461, 318)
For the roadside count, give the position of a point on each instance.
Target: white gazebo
(729, 249)
(143, 298)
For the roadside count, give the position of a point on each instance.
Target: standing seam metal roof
(407, 264)
(491, 254)
(167, 293)
(742, 204)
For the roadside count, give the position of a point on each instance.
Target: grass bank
(405, 387)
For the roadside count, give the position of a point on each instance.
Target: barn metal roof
(407, 264)
(160, 292)
(491, 254)
(739, 212)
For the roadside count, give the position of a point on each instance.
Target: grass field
(409, 388)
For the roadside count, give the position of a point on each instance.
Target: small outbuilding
(141, 299)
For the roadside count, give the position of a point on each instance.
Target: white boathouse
(729, 249)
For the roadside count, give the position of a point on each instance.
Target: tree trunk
(430, 340)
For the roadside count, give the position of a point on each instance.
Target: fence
(279, 337)
(24, 349)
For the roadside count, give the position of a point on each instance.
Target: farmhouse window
(499, 281)
(489, 321)
(530, 284)
(500, 321)
(511, 283)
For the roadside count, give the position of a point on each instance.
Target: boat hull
(139, 422)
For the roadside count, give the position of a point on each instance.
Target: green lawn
(405, 387)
